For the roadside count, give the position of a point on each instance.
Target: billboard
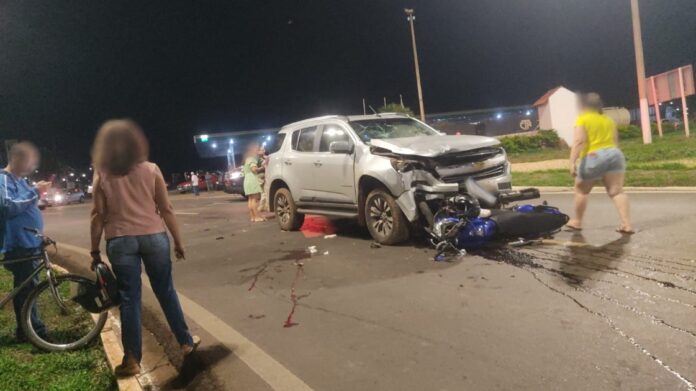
(666, 86)
(677, 83)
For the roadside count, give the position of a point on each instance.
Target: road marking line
(203, 196)
(266, 367)
(566, 192)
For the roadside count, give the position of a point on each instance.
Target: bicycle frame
(45, 265)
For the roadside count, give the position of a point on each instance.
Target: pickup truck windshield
(390, 128)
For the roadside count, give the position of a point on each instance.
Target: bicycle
(68, 326)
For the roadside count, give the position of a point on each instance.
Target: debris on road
(375, 245)
(326, 253)
(312, 249)
(252, 316)
(219, 238)
(329, 236)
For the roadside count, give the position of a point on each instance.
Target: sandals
(621, 230)
(572, 228)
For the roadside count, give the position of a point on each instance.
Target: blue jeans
(125, 254)
(195, 189)
(21, 271)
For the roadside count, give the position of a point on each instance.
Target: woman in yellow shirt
(596, 145)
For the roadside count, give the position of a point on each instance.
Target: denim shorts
(601, 162)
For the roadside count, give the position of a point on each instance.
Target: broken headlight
(402, 165)
(399, 164)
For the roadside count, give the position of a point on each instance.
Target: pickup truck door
(334, 172)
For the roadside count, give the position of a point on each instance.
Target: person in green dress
(252, 182)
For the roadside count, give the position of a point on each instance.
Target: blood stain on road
(294, 297)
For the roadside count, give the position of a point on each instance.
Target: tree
(396, 108)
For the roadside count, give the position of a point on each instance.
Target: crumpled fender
(407, 203)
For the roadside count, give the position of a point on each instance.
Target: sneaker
(188, 349)
(129, 367)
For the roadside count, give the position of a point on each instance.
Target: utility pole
(410, 17)
(640, 73)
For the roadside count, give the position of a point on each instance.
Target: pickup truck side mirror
(344, 147)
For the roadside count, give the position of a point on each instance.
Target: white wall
(563, 108)
(544, 117)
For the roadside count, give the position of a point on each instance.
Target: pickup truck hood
(431, 146)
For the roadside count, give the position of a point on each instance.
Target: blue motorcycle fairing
(476, 233)
(528, 208)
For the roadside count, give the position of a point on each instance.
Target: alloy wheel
(282, 208)
(381, 217)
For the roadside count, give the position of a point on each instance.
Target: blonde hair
(120, 145)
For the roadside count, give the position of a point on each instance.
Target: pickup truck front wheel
(384, 219)
(286, 211)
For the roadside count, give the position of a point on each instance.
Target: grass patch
(647, 165)
(24, 367)
(670, 147)
(540, 155)
(648, 178)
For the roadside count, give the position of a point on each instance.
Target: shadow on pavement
(595, 260)
(195, 364)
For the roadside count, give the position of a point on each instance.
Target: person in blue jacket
(18, 210)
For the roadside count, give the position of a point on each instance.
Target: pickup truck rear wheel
(286, 211)
(385, 220)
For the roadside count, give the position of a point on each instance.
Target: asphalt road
(581, 312)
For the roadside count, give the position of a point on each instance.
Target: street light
(231, 163)
(410, 17)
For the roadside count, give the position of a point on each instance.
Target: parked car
(58, 196)
(233, 181)
(185, 187)
(387, 171)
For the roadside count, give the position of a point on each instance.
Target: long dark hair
(120, 145)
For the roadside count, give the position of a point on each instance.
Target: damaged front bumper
(421, 185)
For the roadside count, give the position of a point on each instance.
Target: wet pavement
(582, 311)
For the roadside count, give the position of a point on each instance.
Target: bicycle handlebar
(45, 240)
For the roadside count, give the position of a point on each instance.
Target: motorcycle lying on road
(461, 224)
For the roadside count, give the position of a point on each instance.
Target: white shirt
(194, 180)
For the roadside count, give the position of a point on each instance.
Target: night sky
(182, 67)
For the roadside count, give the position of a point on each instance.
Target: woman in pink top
(132, 208)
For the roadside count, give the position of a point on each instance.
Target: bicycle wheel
(68, 326)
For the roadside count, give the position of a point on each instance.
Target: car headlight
(57, 198)
(235, 175)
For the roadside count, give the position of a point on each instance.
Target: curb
(114, 354)
(156, 369)
(630, 189)
(112, 348)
